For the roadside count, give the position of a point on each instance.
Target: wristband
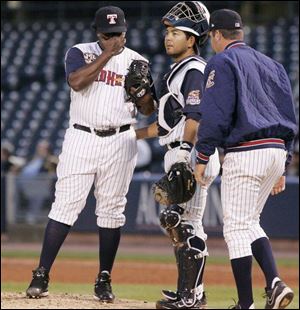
(187, 146)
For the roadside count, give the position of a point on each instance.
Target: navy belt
(103, 133)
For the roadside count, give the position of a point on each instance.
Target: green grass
(154, 258)
(219, 297)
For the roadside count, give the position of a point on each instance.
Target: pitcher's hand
(114, 45)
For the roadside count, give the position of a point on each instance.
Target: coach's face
(215, 41)
(176, 42)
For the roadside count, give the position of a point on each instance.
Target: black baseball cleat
(39, 284)
(174, 296)
(279, 297)
(103, 291)
(173, 301)
(170, 295)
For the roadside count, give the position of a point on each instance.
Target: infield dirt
(124, 272)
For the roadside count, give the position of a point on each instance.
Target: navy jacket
(247, 97)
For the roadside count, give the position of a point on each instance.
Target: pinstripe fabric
(108, 162)
(86, 159)
(247, 180)
(194, 209)
(176, 134)
(102, 104)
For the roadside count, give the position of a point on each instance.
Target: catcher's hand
(137, 86)
(184, 152)
(178, 186)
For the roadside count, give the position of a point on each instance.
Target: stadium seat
(35, 96)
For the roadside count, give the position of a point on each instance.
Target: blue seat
(35, 95)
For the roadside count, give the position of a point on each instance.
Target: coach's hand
(199, 174)
(279, 186)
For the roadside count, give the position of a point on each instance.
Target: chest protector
(172, 102)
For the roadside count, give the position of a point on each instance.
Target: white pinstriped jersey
(108, 161)
(103, 104)
(174, 89)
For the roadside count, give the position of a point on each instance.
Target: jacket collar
(233, 44)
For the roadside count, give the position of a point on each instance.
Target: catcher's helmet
(189, 16)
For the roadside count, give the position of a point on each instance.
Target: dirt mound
(67, 301)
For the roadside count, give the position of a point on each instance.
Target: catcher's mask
(190, 16)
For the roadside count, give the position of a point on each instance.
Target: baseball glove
(177, 186)
(137, 81)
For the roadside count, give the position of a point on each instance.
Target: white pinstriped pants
(108, 162)
(194, 209)
(247, 180)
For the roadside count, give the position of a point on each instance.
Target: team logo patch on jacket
(89, 57)
(210, 80)
(193, 97)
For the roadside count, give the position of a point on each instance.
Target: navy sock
(262, 251)
(55, 235)
(109, 239)
(241, 268)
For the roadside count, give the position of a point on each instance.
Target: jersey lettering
(110, 78)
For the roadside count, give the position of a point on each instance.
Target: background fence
(29, 202)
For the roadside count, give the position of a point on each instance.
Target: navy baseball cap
(109, 19)
(225, 19)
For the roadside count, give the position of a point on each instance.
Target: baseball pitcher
(99, 147)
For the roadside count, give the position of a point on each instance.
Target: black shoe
(177, 303)
(279, 297)
(103, 291)
(39, 284)
(170, 295)
(174, 296)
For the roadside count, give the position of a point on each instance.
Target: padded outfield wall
(280, 217)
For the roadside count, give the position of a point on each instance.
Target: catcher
(178, 119)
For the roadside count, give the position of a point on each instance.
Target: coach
(247, 109)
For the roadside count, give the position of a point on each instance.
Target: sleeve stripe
(203, 157)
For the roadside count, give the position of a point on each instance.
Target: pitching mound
(67, 301)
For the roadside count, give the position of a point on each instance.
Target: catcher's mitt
(178, 186)
(137, 81)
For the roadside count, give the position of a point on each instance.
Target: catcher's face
(177, 44)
